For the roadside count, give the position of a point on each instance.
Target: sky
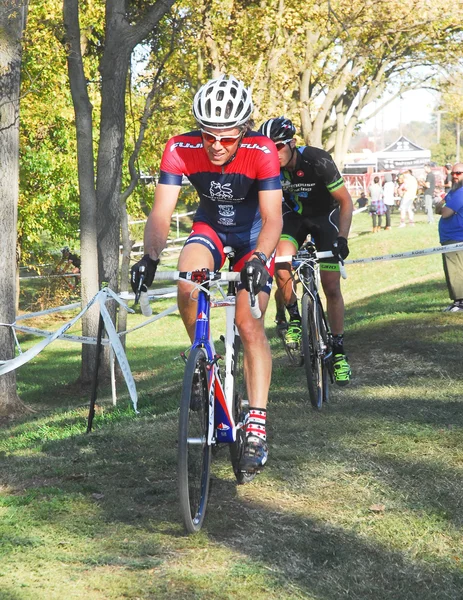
(416, 105)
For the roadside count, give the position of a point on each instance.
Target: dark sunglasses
(225, 140)
(456, 173)
(281, 145)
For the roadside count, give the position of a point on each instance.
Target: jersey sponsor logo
(185, 145)
(220, 192)
(263, 149)
(287, 186)
(225, 221)
(226, 210)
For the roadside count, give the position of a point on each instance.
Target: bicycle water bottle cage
(200, 276)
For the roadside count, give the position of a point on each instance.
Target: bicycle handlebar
(324, 254)
(186, 275)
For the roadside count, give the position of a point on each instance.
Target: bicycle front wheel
(313, 361)
(194, 452)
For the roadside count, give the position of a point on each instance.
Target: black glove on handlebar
(260, 275)
(340, 248)
(149, 271)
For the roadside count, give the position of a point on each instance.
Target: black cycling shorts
(323, 229)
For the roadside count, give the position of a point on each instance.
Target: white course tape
(48, 311)
(164, 313)
(359, 210)
(410, 254)
(68, 338)
(116, 344)
(113, 339)
(25, 357)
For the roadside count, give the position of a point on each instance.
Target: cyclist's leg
(287, 246)
(202, 250)
(257, 357)
(258, 371)
(330, 277)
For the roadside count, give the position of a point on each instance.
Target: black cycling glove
(259, 276)
(340, 248)
(148, 267)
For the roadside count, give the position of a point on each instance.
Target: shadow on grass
(327, 562)
(119, 482)
(128, 471)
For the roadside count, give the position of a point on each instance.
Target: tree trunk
(100, 209)
(86, 173)
(12, 22)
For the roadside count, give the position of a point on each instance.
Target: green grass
(362, 500)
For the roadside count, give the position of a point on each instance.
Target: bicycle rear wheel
(313, 361)
(239, 412)
(194, 452)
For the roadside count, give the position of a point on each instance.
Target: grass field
(362, 500)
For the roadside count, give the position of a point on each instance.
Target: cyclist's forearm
(156, 233)
(269, 235)
(345, 221)
(159, 220)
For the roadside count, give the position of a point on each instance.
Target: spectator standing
(429, 187)
(451, 232)
(408, 191)
(448, 178)
(377, 208)
(388, 197)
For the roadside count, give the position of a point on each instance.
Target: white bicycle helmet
(222, 103)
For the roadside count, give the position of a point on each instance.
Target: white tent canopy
(402, 154)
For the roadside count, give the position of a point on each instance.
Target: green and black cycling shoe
(293, 334)
(342, 370)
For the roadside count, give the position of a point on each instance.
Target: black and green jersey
(307, 189)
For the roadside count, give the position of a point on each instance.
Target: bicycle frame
(222, 428)
(306, 265)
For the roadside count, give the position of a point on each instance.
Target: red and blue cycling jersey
(228, 194)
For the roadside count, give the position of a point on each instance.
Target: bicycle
(316, 352)
(213, 405)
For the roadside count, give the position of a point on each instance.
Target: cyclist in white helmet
(237, 176)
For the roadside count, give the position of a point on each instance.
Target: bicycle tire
(327, 360)
(194, 452)
(310, 346)
(239, 395)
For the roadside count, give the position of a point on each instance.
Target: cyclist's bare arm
(270, 210)
(158, 224)
(346, 206)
